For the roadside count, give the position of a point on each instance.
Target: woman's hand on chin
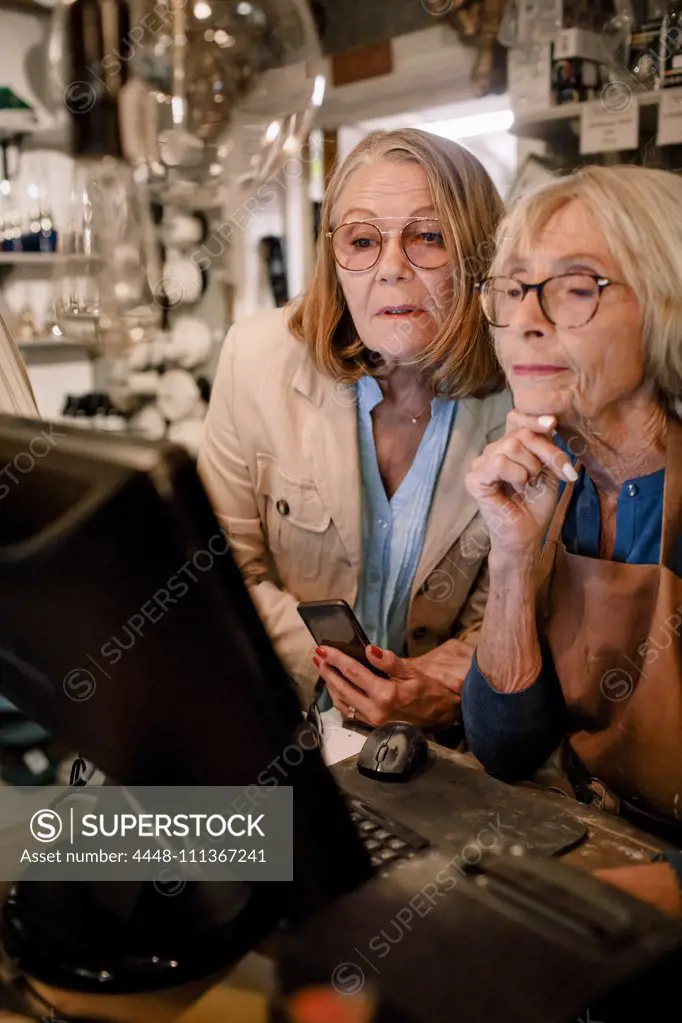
(410, 694)
(515, 482)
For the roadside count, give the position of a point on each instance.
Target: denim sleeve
(512, 734)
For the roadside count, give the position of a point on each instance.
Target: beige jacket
(280, 462)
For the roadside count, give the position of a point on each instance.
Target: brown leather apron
(614, 634)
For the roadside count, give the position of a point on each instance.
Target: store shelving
(38, 261)
(56, 343)
(550, 123)
(30, 258)
(53, 351)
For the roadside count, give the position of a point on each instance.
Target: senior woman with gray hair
(579, 652)
(583, 501)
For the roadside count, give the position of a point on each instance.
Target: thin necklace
(414, 419)
(410, 415)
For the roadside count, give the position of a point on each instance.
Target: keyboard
(384, 839)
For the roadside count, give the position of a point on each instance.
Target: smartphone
(332, 623)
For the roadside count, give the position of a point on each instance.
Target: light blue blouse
(393, 531)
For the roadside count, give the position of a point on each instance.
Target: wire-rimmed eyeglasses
(567, 300)
(358, 245)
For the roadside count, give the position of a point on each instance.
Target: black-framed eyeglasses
(567, 300)
(357, 245)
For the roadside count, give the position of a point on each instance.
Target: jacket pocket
(295, 520)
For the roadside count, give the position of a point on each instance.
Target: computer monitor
(117, 582)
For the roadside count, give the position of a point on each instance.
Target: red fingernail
(376, 652)
(316, 662)
(320, 652)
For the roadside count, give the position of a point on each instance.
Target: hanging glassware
(107, 254)
(201, 76)
(216, 71)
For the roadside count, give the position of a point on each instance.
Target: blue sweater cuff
(675, 861)
(512, 734)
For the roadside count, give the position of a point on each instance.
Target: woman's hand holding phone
(410, 693)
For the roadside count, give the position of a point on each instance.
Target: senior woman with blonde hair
(340, 428)
(583, 501)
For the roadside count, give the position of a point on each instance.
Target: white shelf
(551, 122)
(53, 352)
(30, 258)
(58, 343)
(41, 261)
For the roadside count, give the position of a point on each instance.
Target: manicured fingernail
(545, 422)
(316, 662)
(320, 652)
(376, 652)
(570, 473)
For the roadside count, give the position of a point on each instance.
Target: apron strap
(559, 517)
(672, 493)
(552, 538)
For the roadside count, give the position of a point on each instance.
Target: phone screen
(334, 624)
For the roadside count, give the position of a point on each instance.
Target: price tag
(606, 131)
(670, 118)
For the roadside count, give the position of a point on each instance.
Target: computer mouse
(393, 752)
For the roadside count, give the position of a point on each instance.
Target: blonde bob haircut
(639, 211)
(460, 362)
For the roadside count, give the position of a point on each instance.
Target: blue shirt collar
(369, 393)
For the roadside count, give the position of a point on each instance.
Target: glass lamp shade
(215, 72)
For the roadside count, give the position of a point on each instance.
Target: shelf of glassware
(548, 123)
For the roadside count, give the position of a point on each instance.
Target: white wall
(23, 61)
(497, 150)
(53, 377)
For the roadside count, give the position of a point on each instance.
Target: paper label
(670, 118)
(604, 131)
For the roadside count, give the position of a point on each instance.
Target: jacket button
(283, 507)
(419, 633)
